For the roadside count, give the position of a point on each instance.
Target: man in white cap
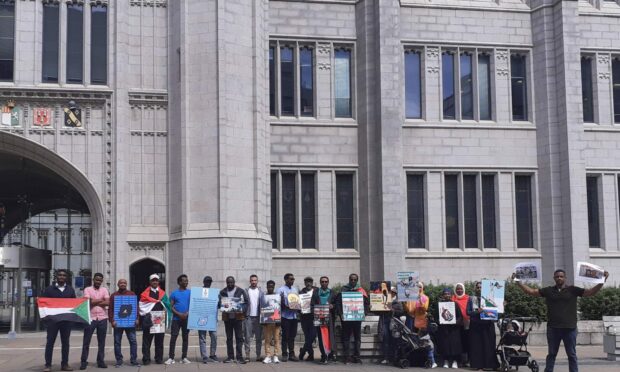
(152, 299)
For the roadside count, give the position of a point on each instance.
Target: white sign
(447, 313)
(26, 283)
(528, 272)
(590, 273)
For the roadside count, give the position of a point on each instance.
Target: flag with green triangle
(64, 309)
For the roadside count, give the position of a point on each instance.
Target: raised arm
(594, 290)
(528, 290)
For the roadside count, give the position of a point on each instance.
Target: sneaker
(118, 364)
(83, 365)
(284, 358)
(185, 361)
(213, 358)
(357, 360)
(102, 365)
(246, 360)
(276, 360)
(445, 364)
(47, 369)
(293, 358)
(135, 364)
(348, 360)
(455, 365)
(302, 353)
(241, 361)
(323, 359)
(66, 367)
(259, 359)
(434, 365)
(267, 360)
(384, 361)
(229, 360)
(146, 362)
(169, 361)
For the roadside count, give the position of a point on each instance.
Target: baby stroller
(409, 343)
(512, 334)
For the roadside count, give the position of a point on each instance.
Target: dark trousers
(355, 329)
(101, 326)
(289, 332)
(388, 343)
(569, 337)
(133, 345)
(52, 332)
(147, 340)
(307, 325)
(179, 325)
(234, 326)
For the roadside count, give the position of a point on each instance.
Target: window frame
(529, 109)
(14, 45)
(597, 214)
(421, 74)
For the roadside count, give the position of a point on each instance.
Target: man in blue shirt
(289, 319)
(179, 304)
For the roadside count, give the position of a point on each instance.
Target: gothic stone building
(230, 137)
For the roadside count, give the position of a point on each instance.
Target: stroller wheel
(403, 363)
(533, 366)
(504, 367)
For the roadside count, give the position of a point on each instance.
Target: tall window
(615, 67)
(306, 84)
(452, 210)
(587, 95)
(289, 211)
(518, 78)
(470, 212)
(42, 239)
(488, 211)
(287, 80)
(65, 235)
(272, 81)
(413, 84)
(308, 212)
(87, 241)
(484, 86)
(75, 43)
(7, 40)
(594, 228)
(467, 86)
(523, 205)
(274, 210)
(447, 74)
(99, 44)
(345, 224)
(415, 210)
(342, 81)
(51, 34)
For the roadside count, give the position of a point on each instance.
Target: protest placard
(590, 273)
(528, 272)
(231, 305)
(270, 311)
(294, 302)
(321, 315)
(203, 309)
(352, 306)
(489, 313)
(159, 321)
(492, 294)
(408, 285)
(380, 296)
(447, 312)
(125, 311)
(306, 302)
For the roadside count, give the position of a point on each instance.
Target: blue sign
(79, 282)
(29, 292)
(125, 311)
(203, 309)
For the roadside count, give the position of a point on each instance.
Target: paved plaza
(26, 354)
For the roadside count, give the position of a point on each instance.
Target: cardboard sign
(203, 309)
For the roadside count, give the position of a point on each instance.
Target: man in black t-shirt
(561, 303)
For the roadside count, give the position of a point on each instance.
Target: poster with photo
(447, 312)
(408, 285)
(294, 302)
(231, 305)
(203, 309)
(380, 296)
(125, 311)
(306, 302)
(528, 272)
(352, 306)
(492, 294)
(489, 314)
(590, 273)
(321, 315)
(270, 312)
(159, 321)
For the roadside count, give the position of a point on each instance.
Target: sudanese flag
(64, 309)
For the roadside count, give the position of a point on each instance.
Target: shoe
(159, 361)
(302, 353)
(445, 364)
(241, 361)
(310, 358)
(284, 358)
(118, 364)
(67, 368)
(434, 365)
(259, 359)
(246, 359)
(83, 366)
(185, 361)
(229, 360)
(146, 362)
(47, 369)
(293, 358)
(323, 359)
(169, 361)
(213, 358)
(135, 364)
(276, 360)
(357, 360)
(267, 360)
(102, 365)
(384, 361)
(455, 365)
(348, 360)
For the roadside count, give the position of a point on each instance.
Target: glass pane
(99, 45)
(344, 211)
(50, 43)
(306, 84)
(519, 87)
(274, 210)
(7, 41)
(616, 84)
(523, 204)
(594, 231)
(7, 20)
(467, 87)
(415, 210)
(289, 211)
(447, 74)
(413, 85)
(308, 208)
(272, 81)
(470, 212)
(484, 86)
(342, 88)
(75, 43)
(586, 90)
(452, 211)
(287, 80)
(488, 211)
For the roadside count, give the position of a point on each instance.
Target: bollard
(12, 333)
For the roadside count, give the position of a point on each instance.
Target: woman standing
(449, 335)
(461, 298)
(481, 335)
(418, 309)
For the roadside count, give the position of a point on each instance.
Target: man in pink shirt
(99, 300)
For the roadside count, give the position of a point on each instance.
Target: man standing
(289, 319)
(202, 335)
(118, 331)
(59, 289)
(152, 300)
(99, 298)
(325, 296)
(352, 327)
(561, 303)
(252, 321)
(179, 304)
(233, 320)
(307, 323)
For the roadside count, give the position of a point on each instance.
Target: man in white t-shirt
(252, 325)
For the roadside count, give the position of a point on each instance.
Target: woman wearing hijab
(449, 335)
(418, 309)
(461, 298)
(481, 335)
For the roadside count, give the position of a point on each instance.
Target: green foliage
(605, 303)
(520, 304)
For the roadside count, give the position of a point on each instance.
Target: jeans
(569, 337)
(52, 332)
(147, 340)
(307, 326)
(351, 328)
(178, 325)
(101, 326)
(388, 346)
(289, 332)
(202, 340)
(253, 328)
(234, 326)
(133, 345)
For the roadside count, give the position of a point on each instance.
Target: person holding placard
(128, 312)
(351, 327)
(307, 319)
(324, 296)
(251, 324)
(389, 343)
(271, 330)
(289, 317)
(461, 298)
(561, 301)
(179, 304)
(202, 335)
(99, 298)
(481, 334)
(416, 310)
(152, 301)
(448, 334)
(233, 304)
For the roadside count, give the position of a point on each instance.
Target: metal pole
(12, 333)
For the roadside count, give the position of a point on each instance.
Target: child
(271, 331)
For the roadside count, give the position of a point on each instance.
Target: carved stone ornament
(432, 52)
(324, 48)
